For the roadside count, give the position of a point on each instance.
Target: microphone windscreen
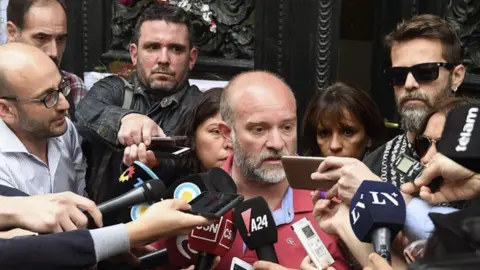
(180, 254)
(154, 190)
(255, 223)
(461, 137)
(136, 174)
(221, 180)
(216, 238)
(188, 188)
(376, 205)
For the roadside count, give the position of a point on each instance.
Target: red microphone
(180, 252)
(212, 240)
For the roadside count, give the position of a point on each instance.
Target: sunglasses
(426, 72)
(421, 144)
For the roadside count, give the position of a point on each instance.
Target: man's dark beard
(158, 93)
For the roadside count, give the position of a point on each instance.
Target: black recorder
(411, 169)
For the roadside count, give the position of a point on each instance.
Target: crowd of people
(63, 149)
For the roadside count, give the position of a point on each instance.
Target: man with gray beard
(259, 111)
(426, 67)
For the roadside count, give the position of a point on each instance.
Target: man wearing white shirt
(40, 150)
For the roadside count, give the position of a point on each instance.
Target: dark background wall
(310, 43)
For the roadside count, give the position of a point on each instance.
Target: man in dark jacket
(110, 119)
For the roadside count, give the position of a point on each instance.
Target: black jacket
(98, 122)
(66, 250)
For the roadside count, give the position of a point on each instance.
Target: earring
(455, 89)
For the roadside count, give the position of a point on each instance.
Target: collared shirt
(418, 224)
(295, 205)
(78, 90)
(65, 170)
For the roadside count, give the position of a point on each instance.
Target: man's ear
(133, 53)
(226, 133)
(13, 32)
(7, 112)
(458, 75)
(193, 57)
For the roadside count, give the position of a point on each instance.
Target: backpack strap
(128, 94)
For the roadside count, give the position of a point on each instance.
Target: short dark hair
(164, 12)
(205, 108)
(329, 104)
(17, 9)
(430, 27)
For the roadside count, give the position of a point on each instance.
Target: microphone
(177, 253)
(213, 240)
(377, 214)
(150, 191)
(255, 223)
(458, 139)
(191, 186)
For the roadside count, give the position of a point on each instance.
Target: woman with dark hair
(342, 121)
(200, 125)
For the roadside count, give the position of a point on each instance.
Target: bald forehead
(260, 88)
(18, 56)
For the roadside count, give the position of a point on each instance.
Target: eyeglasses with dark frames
(425, 72)
(49, 99)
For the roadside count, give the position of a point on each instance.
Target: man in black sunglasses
(426, 67)
(40, 151)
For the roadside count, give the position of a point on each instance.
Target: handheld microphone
(150, 191)
(255, 223)
(459, 139)
(377, 214)
(177, 253)
(191, 186)
(213, 240)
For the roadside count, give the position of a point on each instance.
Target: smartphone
(411, 169)
(214, 205)
(238, 264)
(169, 151)
(299, 169)
(172, 140)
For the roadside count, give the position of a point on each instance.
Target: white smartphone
(238, 264)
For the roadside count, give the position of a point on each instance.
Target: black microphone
(255, 223)
(150, 191)
(377, 214)
(460, 136)
(193, 185)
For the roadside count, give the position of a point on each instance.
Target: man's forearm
(110, 241)
(100, 112)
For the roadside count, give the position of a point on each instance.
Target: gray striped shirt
(21, 170)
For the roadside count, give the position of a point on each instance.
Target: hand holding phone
(411, 169)
(299, 170)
